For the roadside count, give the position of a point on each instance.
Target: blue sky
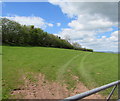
(86, 23)
(45, 10)
(108, 33)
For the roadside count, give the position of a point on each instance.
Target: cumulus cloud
(58, 24)
(76, 34)
(50, 25)
(102, 44)
(89, 20)
(38, 22)
(104, 9)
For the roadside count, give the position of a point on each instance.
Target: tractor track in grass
(80, 87)
(63, 69)
(82, 70)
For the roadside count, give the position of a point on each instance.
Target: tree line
(15, 34)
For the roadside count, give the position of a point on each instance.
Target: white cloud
(102, 44)
(91, 19)
(31, 20)
(104, 9)
(87, 22)
(76, 34)
(58, 24)
(88, 39)
(50, 25)
(114, 36)
(76, 24)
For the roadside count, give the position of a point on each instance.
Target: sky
(94, 25)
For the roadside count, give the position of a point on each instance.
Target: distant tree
(32, 26)
(67, 38)
(76, 45)
(10, 31)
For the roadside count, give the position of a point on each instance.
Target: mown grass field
(93, 69)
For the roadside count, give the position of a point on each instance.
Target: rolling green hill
(93, 69)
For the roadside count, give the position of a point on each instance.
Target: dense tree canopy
(21, 35)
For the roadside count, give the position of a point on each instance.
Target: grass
(0, 73)
(93, 69)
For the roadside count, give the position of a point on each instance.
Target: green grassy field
(93, 69)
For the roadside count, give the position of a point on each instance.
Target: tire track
(63, 69)
(83, 71)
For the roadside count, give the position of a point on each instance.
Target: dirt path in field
(44, 89)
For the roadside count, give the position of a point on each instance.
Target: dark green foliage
(83, 49)
(20, 35)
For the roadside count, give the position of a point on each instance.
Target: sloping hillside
(57, 65)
